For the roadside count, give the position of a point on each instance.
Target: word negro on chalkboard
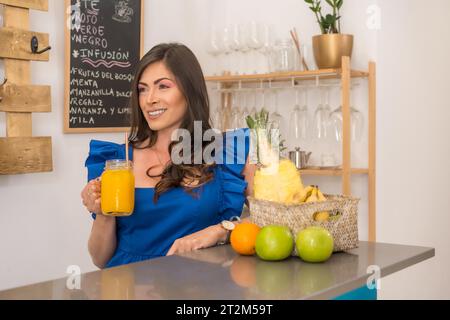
(103, 47)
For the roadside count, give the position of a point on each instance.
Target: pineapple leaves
(250, 122)
(260, 122)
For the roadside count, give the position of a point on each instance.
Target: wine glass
(243, 48)
(326, 145)
(321, 116)
(226, 48)
(254, 110)
(268, 42)
(276, 117)
(214, 48)
(254, 42)
(264, 105)
(235, 112)
(236, 44)
(226, 111)
(298, 125)
(245, 110)
(356, 121)
(216, 114)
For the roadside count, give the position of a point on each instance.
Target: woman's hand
(91, 196)
(202, 239)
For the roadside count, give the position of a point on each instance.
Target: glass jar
(283, 56)
(117, 191)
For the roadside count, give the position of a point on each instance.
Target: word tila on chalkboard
(103, 46)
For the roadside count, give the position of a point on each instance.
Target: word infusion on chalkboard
(103, 47)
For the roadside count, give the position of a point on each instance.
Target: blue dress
(152, 229)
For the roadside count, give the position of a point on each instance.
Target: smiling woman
(179, 207)
(162, 103)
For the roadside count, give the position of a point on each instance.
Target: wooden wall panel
(25, 98)
(20, 44)
(25, 155)
(20, 152)
(41, 5)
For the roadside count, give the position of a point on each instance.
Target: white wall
(44, 228)
(413, 142)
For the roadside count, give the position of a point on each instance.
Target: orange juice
(117, 191)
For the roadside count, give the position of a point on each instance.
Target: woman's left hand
(202, 239)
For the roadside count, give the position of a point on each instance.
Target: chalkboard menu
(103, 47)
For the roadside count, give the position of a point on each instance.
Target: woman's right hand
(91, 196)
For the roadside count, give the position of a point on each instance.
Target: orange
(243, 238)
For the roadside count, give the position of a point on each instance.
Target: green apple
(274, 243)
(314, 244)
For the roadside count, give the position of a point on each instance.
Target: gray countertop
(219, 273)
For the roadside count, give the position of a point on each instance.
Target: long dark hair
(183, 64)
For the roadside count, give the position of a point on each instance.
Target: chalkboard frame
(67, 128)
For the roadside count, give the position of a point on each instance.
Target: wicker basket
(343, 222)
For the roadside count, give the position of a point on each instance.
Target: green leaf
(309, 1)
(330, 19)
(330, 3)
(340, 3)
(250, 122)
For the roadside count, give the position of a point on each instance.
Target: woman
(178, 207)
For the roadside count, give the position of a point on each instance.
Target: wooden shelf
(283, 76)
(331, 172)
(344, 76)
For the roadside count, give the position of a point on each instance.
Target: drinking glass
(226, 112)
(236, 44)
(214, 48)
(284, 56)
(235, 112)
(268, 40)
(245, 110)
(321, 116)
(255, 43)
(244, 49)
(117, 194)
(356, 122)
(226, 48)
(216, 115)
(275, 117)
(254, 109)
(298, 123)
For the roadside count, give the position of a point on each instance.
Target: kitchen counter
(219, 273)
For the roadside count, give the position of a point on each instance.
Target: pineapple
(275, 180)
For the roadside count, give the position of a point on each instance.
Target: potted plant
(331, 45)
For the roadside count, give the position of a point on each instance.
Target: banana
(305, 194)
(324, 215)
(321, 216)
(313, 196)
(320, 195)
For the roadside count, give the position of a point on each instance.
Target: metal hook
(35, 46)
(1, 85)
